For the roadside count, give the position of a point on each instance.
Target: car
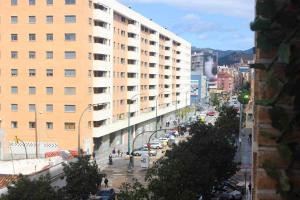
(163, 141)
(211, 113)
(142, 150)
(106, 194)
(154, 145)
(227, 193)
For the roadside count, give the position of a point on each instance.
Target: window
(49, 125)
(70, 108)
(14, 72)
(32, 90)
(31, 2)
(14, 19)
(14, 124)
(14, 90)
(70, 90)
(14, 2)
(49, 19)
(31, 124)
(69, 126)
(31, 72)
(70, 54)
(31, 19)
(31, 107)
(14, 54)
(49, 54)
(31, 37)
(49, 72)
(49, 107)
(49, 90)
(70, 2)
(14, 107)
(49, 37)
(31, 54)
(70, 36)
(49, 2)
(70, 19)
(70, 72)
(14, 37)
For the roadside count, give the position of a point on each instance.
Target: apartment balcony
(101, 48)
(102, 65)
(101, 82)
(168, 72)
(133, 55)
(168, 53)
(154, 37)
(131, 94)
(133, 42)
(168, 99)
(154, 48)
(153, 92)
(168, 62)
(153, 81)
(133, 81)
(132, 68)
(153, 70)
(152, 103)
(101, 98)
(133, 28)
(99, 31)
(101, 114)
(134, 107)
(154, 59)
(101, 15)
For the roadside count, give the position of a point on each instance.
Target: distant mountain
(229, 57)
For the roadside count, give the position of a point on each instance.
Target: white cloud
(237, 8)
(192, 23)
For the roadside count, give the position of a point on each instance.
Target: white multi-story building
(59, 57)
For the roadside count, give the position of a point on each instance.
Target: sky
(217, 24)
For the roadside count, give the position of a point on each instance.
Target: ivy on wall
(278, 29)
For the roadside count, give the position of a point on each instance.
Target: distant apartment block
(59, 57)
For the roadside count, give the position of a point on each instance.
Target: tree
(135, 191)
(193, 167)
(228, 122)
(25, 189)
(215, 100)
(83, 178)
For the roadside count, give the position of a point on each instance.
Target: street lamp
(36, 133)
(81, 116)
(156, 110)
(129, 102)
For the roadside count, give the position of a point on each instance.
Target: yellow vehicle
(202, 118)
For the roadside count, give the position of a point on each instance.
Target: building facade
(70, 66)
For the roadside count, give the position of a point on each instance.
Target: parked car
(163, 141)
(106, 194)
(142, 150)
(227, 193)
(154, 145)
(211, 113)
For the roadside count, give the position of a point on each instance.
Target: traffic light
(244, 97)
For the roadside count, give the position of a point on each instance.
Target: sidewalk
(118, 172)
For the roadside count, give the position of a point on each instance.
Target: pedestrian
(106, 182)
(250, 137)
(240, 141)
(114, 151)
(250, 187)
(110, 159)
(119, 152)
